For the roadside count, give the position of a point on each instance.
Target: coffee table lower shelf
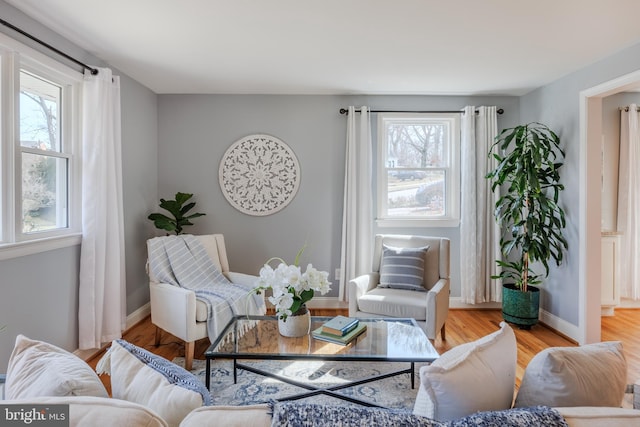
(315, 390)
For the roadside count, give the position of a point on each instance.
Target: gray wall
(140, 178)
(196, 130)
(39, 293)
(557, 105)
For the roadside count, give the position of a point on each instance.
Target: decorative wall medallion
(259, 175)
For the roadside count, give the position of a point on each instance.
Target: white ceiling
(344, 46)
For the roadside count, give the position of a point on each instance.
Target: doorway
(591, 205)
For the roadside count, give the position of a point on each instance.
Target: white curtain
(479, 233)
(101, 314)
(629, 202)
(357, 215)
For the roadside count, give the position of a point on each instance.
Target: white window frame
(452, 172)
(15, 56)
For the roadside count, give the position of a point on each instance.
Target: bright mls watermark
(34, 415)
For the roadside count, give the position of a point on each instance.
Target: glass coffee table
(385, 340)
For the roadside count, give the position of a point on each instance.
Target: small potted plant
(529, 158)
(178, 210)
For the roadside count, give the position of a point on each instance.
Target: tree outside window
(44, 164)
(417, 166)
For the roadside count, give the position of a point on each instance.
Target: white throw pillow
(150, 380)
(37, 369)
(90, 411)
(472, 377)
(590, 375)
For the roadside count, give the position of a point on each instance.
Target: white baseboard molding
(327, 302)
(567, 329)
(628, 303)
(607, 311)
(131, 320)
(138, 315)
(456, 302)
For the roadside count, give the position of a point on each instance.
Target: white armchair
(176, 309)
(430, 308)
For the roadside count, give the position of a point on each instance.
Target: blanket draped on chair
(183, 261)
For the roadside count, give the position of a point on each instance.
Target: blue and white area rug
(394, 392)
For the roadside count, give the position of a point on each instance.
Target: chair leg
(158, 335)
(443, 335)
(189, 350)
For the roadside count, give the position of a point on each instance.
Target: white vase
(296, 325)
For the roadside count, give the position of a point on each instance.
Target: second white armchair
(424, 298)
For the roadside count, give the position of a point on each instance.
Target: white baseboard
(562, 326)
(138, 315)
(607, 311)
(628, 303)
(456, 302)
(327, 302)
(131, 320)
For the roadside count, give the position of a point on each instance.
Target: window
(418, 169)
(40, 158)
(44, 161)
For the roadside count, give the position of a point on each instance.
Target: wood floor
(462, 326)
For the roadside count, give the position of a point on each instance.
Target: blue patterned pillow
(292, 413)
(403, 268)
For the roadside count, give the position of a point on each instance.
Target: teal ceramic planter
(520, 308)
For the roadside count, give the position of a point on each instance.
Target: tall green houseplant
(529, 158)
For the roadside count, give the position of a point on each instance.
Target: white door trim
(590, 202)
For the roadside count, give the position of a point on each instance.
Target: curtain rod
(345, 111)
(627, 109)
(94, 71)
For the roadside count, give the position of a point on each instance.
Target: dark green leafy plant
(529, 157)
(175, 207)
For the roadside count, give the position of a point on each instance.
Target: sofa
(147, 390)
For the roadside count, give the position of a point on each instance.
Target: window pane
(430, 196)
(415, 193)
(44, 193)
(39, 113)
(418, 145)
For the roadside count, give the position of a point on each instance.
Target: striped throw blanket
(183, 261)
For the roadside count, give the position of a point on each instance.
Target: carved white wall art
(259, 175)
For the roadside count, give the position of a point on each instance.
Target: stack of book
(340, 330)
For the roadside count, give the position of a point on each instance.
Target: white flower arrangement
(290, 287)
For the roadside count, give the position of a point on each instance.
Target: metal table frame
(210, 354)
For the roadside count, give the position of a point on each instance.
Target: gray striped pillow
(403, 268)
